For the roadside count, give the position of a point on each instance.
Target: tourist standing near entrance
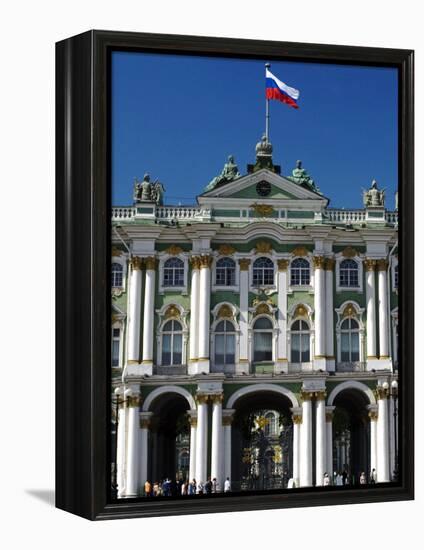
(147, 489)
(227, 485)
(373, 476)
(326, 480)
(362, 479)
(215, 485)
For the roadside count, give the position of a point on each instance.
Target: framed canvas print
(234, 275)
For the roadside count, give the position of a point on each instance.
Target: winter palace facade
(261, 302)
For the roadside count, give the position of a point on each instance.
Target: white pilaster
(319, 305)
(132, 483)
(383, 466)
(281, 364)
(145, 419)
(120, 444)
(204, 313)
(134, 310)
(202, 438)
(193, 433)
(383, 314)
(217, 457)
(373, 416)
(329, 429)
(305, 474)
(329, 315)
(194, 315)
(243, 365)
(149, 312)
(227, 419)
(371, 325)
(321, 439)
(297, 422)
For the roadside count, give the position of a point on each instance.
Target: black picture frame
(83, 259)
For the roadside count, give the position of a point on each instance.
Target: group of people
(343, 478)
(180, 487)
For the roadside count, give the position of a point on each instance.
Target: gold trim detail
(133, 362)
(297, 418)
(306, 395)
(382, 264)
(244, 264)
(369, 264)
(318, 262)
(227, 420)
(202, 399)
(300, 311)
(262, 309)
(136, 263)
(195, 262)
(192, 421)
(226, 250)
(264, 210)
(205, 262)
(263, 247)
(145, 423)
(243, 360)
(329, 264)
(225, 312)
(349, 252)
(282, 360)
(116, 251)
(300, 251)
(172, 311)
(349, 311)
(381, 393)
(133, 401)
(372, 357)
(174, 250)
(216, 398)
(373, 415)
(151, 263)
(329, 417)
(282, 265)
(320, 395)
(384, 357)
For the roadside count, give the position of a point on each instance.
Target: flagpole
(267, 66)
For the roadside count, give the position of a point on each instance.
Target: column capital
(297, 417)
(308, 395)
(195, 262)
(192, 417)
(382, 264)
(136, 263)
(329, 264)
(216, 398)
(318, 262)
(202, 398)
(369, 264)
(283, 264)
(151, 263)
(227, 416)
(329, 413)
(381, 392)
(244, 264)
(145, 420)
(134, 401)
(205, 261)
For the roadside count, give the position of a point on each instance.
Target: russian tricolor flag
(275, 89)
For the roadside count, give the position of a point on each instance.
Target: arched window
(225, 343)
(116, 342)
(262, 340)
(117, 275)
(271, 426)
(263, 272)
(172, 343)
(300, 272)
(300, 342)
(173, 272)
(349, 330)
(225, 272)
(348, 273)
(396, 277)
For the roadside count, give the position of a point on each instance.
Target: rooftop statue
(301, 177)
(374, 196)
(145, 191)
(264, 147)
(229, 173)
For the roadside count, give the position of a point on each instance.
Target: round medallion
(263, 188)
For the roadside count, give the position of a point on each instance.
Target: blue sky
(179, 117)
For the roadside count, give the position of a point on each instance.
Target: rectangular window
(262, 343)
(116, 333)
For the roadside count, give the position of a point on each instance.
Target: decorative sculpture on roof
(374, 196)
(301, 177)
(145, 191)
(229, 173)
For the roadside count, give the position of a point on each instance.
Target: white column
(149, 311)
(132, 483)
(202, 438)
(319, 305)
(383, 467)
(204, 312)
(383, 318)
(329, 313)
(120, 443)
(244, 315)
(297, 422)
(329, 428)
(227, 420)
(193, 431)
(321, 438)
(194, 309)
(373, 416)
(134, 310)
(370, 298)
(145, 419)
(305, 474)
(217, 458)
(282, 363)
